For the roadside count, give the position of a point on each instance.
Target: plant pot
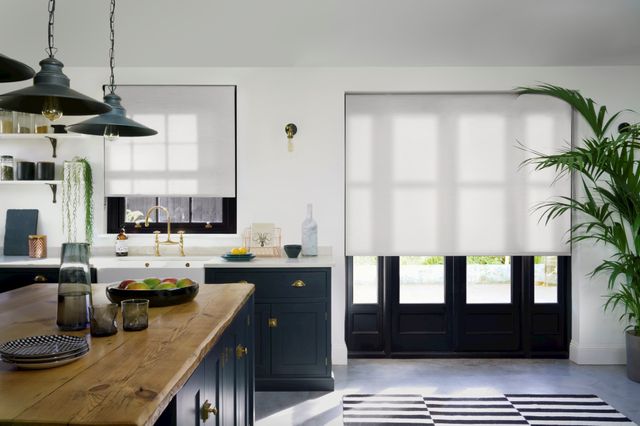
(633, 356)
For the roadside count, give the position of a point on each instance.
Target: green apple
(184, 282)
(152, 282)
(164, 286)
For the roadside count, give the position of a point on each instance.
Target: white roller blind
(439, 174)
(193, 153)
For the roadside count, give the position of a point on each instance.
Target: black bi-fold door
(473, 306)
(421, 318)
(487, 319)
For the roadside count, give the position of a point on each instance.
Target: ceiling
(330, 32)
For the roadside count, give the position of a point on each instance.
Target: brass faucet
(168, 241)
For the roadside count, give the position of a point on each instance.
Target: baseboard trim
(597, 355)
(295, 384)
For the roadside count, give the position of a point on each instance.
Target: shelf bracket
(54, 190)
(54, 145)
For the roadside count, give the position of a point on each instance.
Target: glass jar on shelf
(24, 122)
(6, 121)
(41, 124)
(6, 167)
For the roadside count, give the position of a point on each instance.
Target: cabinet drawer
(277, 283)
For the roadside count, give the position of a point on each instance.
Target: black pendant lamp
(12, 70)
(51, 94)
(114, 123)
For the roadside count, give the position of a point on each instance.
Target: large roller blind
(193, 153)
(439, 174)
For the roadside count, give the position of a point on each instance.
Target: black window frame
(116, 207)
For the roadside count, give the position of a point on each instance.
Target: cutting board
(19, 225)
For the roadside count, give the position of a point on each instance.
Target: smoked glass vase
(74, 287)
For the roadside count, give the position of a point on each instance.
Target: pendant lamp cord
(52, 10)
(112, 61)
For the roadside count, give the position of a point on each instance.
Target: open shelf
(43, 135)
(53, 184)
(51, 137)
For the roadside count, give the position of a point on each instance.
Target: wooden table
(126, 379)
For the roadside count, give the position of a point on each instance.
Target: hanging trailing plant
(77, 191)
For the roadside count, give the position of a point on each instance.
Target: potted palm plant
(608, 173)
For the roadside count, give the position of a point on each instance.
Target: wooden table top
(128, 378)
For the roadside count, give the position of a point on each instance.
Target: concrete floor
(449, 377)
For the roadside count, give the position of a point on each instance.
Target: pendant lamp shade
(12, 70)
(115, 120)
(51, 85)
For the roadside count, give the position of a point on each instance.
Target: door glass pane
(545, 279)
(488, 279)
(365, 279)
(422, 279)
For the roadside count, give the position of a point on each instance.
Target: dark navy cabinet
(12, 278)
(293, 325)
(220, 391)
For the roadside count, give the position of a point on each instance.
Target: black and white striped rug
(510, 409)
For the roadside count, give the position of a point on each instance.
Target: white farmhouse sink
(139, 267)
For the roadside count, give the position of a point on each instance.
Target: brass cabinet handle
(243, 282)
(187, 265)
(273, 322)
(207, 409)
(39, 279)
(241, 351)
(298, 284)
(146, 264)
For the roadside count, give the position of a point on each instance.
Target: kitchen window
(189, 167)
(194, 215)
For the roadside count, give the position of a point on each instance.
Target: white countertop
(211, 261)
(28, 262)
(274, 262)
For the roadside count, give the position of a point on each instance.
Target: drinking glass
(135, 314)
(103, 319)
(74, 287)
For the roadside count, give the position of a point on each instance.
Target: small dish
(238, 257)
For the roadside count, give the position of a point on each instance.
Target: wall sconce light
(290, 129)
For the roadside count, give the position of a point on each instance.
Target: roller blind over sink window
(193, 153)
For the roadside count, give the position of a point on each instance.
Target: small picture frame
(263, 239)
(262, 235)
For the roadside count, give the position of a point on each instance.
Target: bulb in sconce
(51, 109)
(111, 133)
(290, 145)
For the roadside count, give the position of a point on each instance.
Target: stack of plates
(38, 352)
(238, 257)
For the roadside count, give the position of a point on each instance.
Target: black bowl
(292, 250)
(156, 298)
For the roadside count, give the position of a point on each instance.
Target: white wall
(274, 185)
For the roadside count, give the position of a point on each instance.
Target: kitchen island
(194, 361)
